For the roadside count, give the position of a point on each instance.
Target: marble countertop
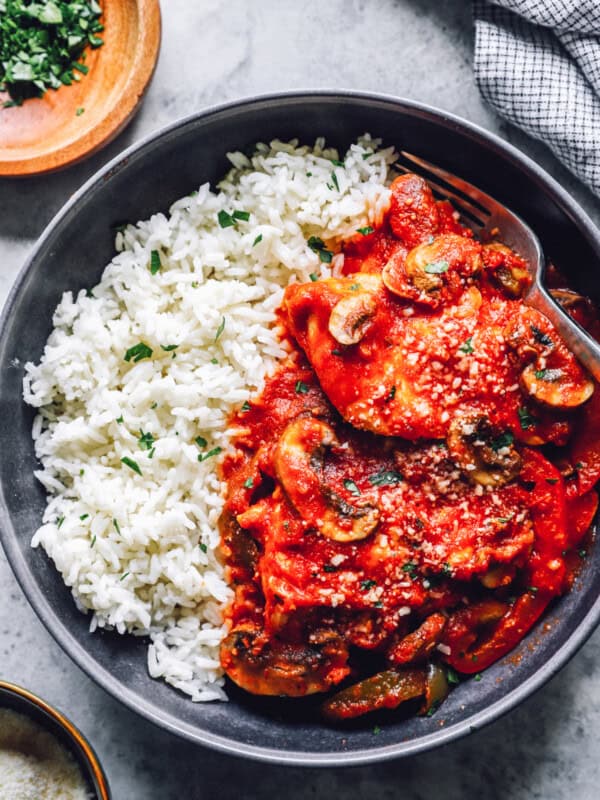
(219, 50)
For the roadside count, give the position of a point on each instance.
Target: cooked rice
(139, 550)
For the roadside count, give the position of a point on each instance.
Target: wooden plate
(48, 133)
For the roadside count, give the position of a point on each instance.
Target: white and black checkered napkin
(537, 62)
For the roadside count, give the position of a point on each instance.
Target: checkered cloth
(537, 62)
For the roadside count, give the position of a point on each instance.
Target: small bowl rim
(80, 654)
(79, 741)
(118, 114)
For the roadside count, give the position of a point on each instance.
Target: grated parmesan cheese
(33, 763)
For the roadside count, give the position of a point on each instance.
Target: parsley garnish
(129, 462)
(257, 240)
(155, 263)
(246, 406)
(366, 230)
(366, 585)
(138, 352)
(504, 440)
(410, 567)
(550, 375)
(93, 542)
(79, 112)
(376, 730)
(352, 487)
(467, 346)
(215, 451)
(437, 267)
(124, 575)
(452, 676)
(200, 441)
(220, 329)
(526, 419)
(225, 219)
(146, 440)
(334, 180)
(248, 483)
(119, 420)
(337, 163)
(477, 677)
(301, 387)
(241, 215)
(313, 276)
(385, 478)
(83, 516)
(116, 526)
(214, 361)
(169, 347)
(59, 522)
(317, 245)
(203, 547)
(41, 44)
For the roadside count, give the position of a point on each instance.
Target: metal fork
(492, 220)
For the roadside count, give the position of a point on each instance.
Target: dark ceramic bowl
(72, 253)
(49, 719)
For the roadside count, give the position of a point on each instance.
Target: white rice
(139, 551)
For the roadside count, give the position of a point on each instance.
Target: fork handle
(579, 342)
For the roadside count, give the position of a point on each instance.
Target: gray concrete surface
(217, 50)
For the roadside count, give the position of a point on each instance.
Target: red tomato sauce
(418, 493)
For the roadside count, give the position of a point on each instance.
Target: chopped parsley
(582, 553)
(241, 215)
(452, 676)
(411, 568)
(93, 542)
(79, 111)
(155, 263)
(138, 352)
(257, 240)
(301, 387)
(504, 440)
(365, 231)
(249, 483)
(477, 677)
(129, 462)
(83, 517)
(313, 276)
(119, 420)
(385, 478)
(124, 575)
(376, 730)
(168, 348)
(467, 346)
(146, 440)
(317, 245)
(203, 547)
(214, 452)
(352, 487)
(42, 45)
(334, 180)
(220, 329)
(246, 406)
(116, 526)
(200, 441)
(59, 522)
(225, 219)
(214, 361)
(437, 267)
(366, 585)
(337, 163)
(526, 418)
(550, 375)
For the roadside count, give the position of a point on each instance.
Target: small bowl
(51, 132)
(52, 721)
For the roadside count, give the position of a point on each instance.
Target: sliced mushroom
(352, 316)
(508, 270)
(299, 466)
(485, 455)
(270, 667)
(426, 265)
(556, 387)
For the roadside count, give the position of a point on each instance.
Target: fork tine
(471, 192)
(473, 213)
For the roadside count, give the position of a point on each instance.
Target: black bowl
(49, 719)
(72, 253)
